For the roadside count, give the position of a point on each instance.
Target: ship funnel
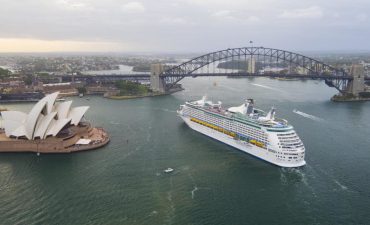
(271, 114)
(202, 101)
(250, 106)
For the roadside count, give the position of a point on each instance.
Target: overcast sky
(183, 25)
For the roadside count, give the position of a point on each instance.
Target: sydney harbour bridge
(252, 62)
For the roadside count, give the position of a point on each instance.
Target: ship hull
(254, 150)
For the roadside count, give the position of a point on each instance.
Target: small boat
(168, 170)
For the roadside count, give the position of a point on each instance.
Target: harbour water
(123, 69)
(125, 183)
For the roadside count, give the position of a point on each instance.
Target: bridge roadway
(145, 76)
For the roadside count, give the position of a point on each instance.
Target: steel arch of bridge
(335, 77)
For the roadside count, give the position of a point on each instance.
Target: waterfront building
(49, 127)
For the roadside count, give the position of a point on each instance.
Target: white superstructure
(248, 129)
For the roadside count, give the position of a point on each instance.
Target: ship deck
(223, 112)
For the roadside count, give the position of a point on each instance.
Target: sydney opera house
(49, 127)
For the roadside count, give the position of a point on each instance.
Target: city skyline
(182, 25)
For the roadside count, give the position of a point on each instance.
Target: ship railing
(282, 121)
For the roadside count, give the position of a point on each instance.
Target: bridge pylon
(251, 68)
(157, 82)
(357, 90)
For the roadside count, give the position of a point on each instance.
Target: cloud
(252, 19)
(186, 25)
(362, 17)
(73, 5)
(233, 15)
(133, 7)
(174, 21)
(222, 13)
(312, 12)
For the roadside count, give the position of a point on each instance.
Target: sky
(183, 25)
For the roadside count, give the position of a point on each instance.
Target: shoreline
(127, 97)
(337, 98)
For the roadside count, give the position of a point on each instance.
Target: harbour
(185, 112)
(211, 182)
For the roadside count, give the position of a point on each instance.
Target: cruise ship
(248, 129)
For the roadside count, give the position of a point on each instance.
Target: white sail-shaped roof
(45, 106)
(77, 113)
(50, 100)
(14, 115)
(62, 109)
(33, 117)
(43, 120)
(56, 127)
(14, 123)
(19, 132)
(10, 126)
(43, 125)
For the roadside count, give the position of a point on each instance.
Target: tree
(28, 79)
(131, 88)
(4, 73)
(82, 90)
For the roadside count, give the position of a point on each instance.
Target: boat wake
(193, 192)
(289, 176)
(171, 206)
(312, 117)
(331, 177)
(165, 110)
(195, 187)
(267, 87)
(292, 175)
(340, 185)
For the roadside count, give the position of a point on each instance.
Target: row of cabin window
(288, 137)
(295, 144)
(220, 122)
(290, 140)
(287, 134)
(255, 135)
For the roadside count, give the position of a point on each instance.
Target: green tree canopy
(4, 73)
(131, 88)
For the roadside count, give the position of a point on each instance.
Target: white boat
(248, 129)
(168, 170)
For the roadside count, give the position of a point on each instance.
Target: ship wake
(267, 87)
(306, 115)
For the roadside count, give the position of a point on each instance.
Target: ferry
(248, 129)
